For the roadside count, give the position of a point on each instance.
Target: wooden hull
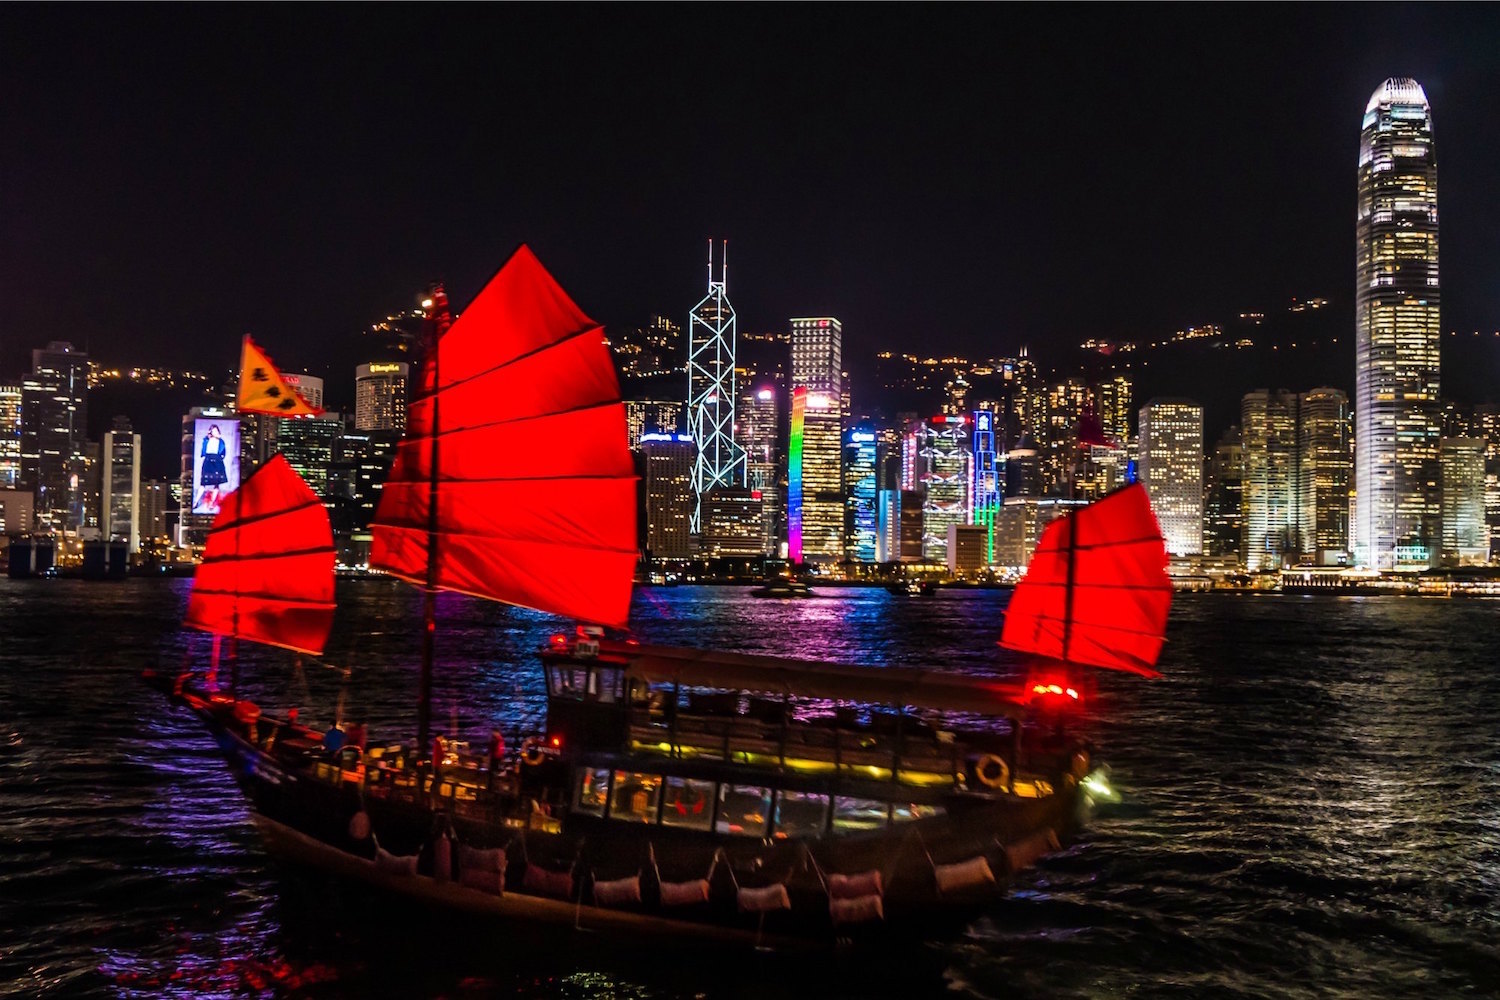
(305, 819)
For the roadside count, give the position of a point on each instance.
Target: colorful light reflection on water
(1311, 807)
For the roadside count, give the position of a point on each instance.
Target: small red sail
(1117, 614)
(267, 570)
(535, 485)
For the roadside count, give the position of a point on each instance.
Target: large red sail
(267, 570)
(535, 486)
(1116, 613)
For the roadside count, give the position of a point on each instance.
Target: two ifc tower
(1397, 411)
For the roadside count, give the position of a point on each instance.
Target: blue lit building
(859, 475)
(985, 489)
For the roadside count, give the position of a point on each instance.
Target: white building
(1170, 464)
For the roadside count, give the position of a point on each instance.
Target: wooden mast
(438, 321)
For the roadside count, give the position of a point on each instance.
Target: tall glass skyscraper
(1397, 412)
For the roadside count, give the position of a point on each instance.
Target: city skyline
(940, 156)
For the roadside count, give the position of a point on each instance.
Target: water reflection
(1310, 806)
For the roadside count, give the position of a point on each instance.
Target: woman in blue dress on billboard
(213, 474)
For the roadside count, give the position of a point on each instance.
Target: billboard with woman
(216, 462)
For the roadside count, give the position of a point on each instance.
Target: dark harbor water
(1311, 808)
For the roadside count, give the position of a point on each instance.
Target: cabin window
(593, 790)
(852, 815)
(605, 685)
(635, 797)
(688, 803)
(905, 812)
(800, 814)
(566, 682)
(744, 809)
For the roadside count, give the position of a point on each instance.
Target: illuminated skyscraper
(309, 387)
(308, 444)
(120, 464)
(668, 485)
(1487, 426)
(1324, 467)
(156, 501)
(54, 426)
(794, 487)
(711, 390)
(987, 484)
(817, 367)
(1466, 537)
(860, 474)
(1058, 442)
(1272, 522)
(1223, 497)
(1171, 467)
(10, 436)
(764, 468)
(943, 478)
(651, 416)
(380, 396)
(1397, 418)
(732, 522)
(1112, 407)
(263, 430)
(817, 354)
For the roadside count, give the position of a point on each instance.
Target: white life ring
(992, 771)
(531, 752)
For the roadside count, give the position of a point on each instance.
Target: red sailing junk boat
(267, 576)
(682, 793)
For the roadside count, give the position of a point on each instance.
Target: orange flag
(263, 390)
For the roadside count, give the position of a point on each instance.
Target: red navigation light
(1054, 689)
(556, 741)
(559, 640)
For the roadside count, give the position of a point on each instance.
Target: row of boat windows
(582, 683)
(745, 810)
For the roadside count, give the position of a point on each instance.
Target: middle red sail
(535, 483)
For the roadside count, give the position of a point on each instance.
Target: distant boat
(912, 588)
(784, 587)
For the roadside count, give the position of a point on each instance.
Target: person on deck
(497, 755)
(439, 749)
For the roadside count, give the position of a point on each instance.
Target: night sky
(966, 178)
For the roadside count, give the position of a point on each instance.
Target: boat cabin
(770, 747)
